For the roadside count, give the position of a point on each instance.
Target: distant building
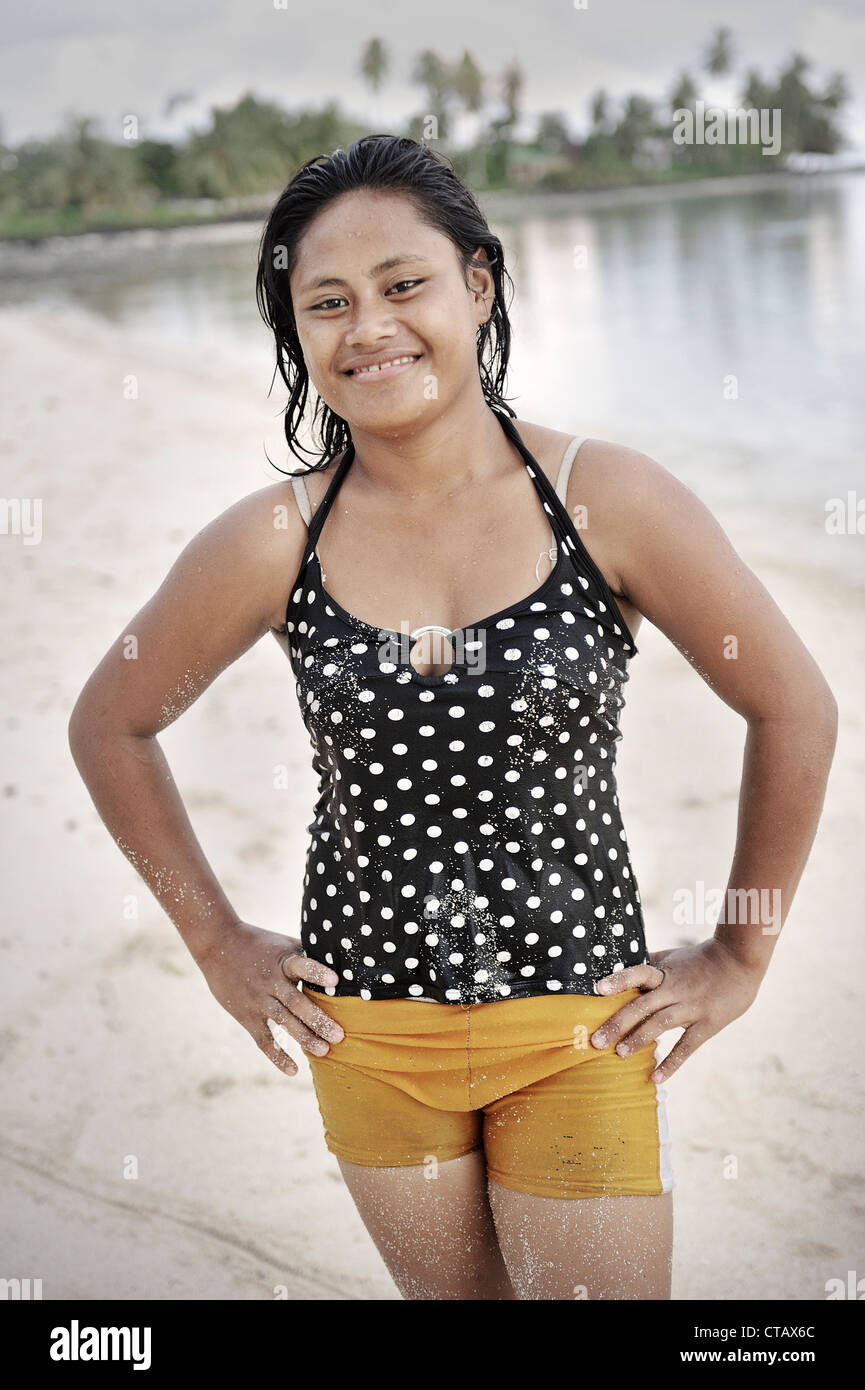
(527, 165)
(804, 162)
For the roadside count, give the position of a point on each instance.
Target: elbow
(84, 724)
(79, 725)
(815, 710)
(819, 720)
(826, 711)
(95, 722)
(830, 717)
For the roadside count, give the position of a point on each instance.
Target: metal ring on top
(432, 627)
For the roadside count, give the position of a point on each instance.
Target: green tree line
(80, 178)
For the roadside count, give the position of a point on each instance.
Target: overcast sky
(101, 58)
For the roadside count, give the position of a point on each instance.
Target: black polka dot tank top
(467, 844)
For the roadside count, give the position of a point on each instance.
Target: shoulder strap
(565, 470)
(302, 497)
(562, 492)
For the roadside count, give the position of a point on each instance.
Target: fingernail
(600, 1039)
(623, 1049)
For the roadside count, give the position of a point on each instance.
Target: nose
(371, 322)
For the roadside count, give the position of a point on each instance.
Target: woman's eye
(326, 303)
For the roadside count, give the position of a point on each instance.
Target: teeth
(380, 366)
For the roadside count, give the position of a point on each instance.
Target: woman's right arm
(227, 588)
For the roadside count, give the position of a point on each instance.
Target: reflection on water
(722, 333)
(733, 320)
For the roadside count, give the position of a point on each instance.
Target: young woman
(471, 978)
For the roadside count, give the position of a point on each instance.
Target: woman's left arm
(674, 562)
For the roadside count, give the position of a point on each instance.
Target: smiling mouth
(385, 369)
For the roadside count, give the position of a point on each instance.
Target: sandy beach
(149, 1149)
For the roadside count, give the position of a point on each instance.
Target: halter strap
(324, 505)
(570, 536)
(315, 521)
(301, 494)
(563, 529)
(551, 501)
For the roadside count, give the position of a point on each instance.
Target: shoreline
(496, 202)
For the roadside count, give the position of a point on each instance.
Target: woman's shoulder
(612, 488)
(261, 537)
(596, 461)
(612, 475)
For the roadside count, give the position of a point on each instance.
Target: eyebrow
(402, 259)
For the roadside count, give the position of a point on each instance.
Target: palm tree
(837, 93)
(719, 54)
(512, 87)
(468, 85)
(807, 115)
(684, 94)
(757, 92)
(600, 109)
(374, 64)
(683, 98)
(432, 72)
(636, 125)
(552, 133)
(176, 99)
(502, 126)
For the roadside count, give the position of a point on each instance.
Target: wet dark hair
(395, 164)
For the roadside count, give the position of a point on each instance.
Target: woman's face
(351, 308)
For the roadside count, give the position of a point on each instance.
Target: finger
(274, 1053)
(295, 1026)
(658, 957)
(644, 976)
(651, 1029)
(624, 1019)
(309, 1012)
(297, 966)
(688, 1043)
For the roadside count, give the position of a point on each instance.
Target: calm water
(723, 334)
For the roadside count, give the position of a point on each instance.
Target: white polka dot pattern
(467, 843)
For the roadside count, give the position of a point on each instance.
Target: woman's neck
(428, 462)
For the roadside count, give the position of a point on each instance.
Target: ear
(482, 286)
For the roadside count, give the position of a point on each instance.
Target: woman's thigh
(586, 1247)
(418, 1178)
(580, 1181)
(433, 1227)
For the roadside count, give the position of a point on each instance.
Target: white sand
(114, 1052)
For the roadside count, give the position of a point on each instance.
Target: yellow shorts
(415, 1082)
